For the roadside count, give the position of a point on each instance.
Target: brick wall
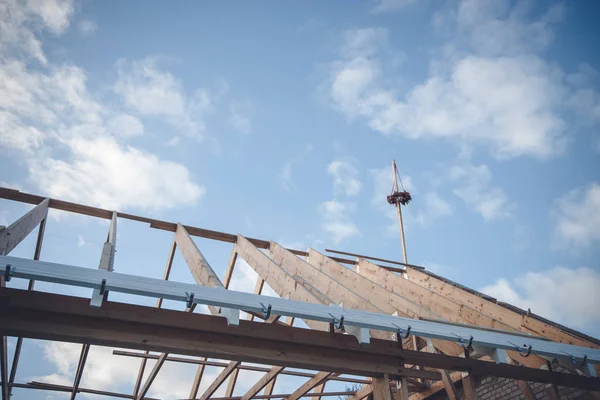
(492, 388)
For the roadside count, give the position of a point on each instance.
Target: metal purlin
(356, 321)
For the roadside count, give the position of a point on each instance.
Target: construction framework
(405, 332)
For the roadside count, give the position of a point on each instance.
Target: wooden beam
(61, 388)
(319, 390)
(4, 365)
(402, 390)
(167, 273)
(309, 385)
(381, 389)
(36, 256)
(197, 379)
(365, 391)
(426, 300)
(28, 198)
(159, 363)
(203, 361)
(219, 380)
(526, 389)
(449, 385)
(374, 258)
(469, 387)
(85, 349)
(12, 235)
(107, 258)
(230, 267)
(262, 383)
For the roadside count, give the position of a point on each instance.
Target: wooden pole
(399, 206)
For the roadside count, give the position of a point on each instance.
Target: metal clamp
(103, 287)
(406, 335)
(339, 324)
(266, 311)
(8, 273)
(521, 350)
(462, 342)
(190, 299)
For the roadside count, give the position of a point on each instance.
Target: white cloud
(489, 87)
(568, 296)
(391, 5)
(87, 27)
(104, 371)
(336, 220)
(152, 91)
(80, 241)
(577, 216)
(285, 174)
(72, 143)
(20, 21)
(344, 178)
(103, 173)
(239, 116)
(474, 187)
(126, 125)
(435, 207)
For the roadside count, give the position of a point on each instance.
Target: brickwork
(492, 388)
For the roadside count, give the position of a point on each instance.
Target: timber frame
(388, 366)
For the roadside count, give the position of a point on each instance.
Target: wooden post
(399, 206)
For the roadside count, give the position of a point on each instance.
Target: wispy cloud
(87, 27)
(240, 113)
(344, 176)
(286, 172)
(73, 144)
(336, 220)
(577, 217)
(475, 189)
(565, 295)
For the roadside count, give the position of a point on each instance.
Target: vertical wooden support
(4, 358)
(107, 259)
(526, 389)
(319, 389)
(159, 302)
(230, 267)
(159, 363)
(36, 256)
(197, 379)
(399, 206)
(448, 385)
(402, 390)
(381, 388)
(469, 387)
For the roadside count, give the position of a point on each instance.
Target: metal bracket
(8, 273)
(338, 323)
(266, 311)
(462, 343)
(231, 315)
(190, 299)
(521, 350)
(362, 334)
(103, 287)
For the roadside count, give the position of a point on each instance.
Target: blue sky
(280, 121)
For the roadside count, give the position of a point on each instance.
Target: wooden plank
(319, 390)
(469, 387)
(13, 234)
(262, 383)
(199, 267)
(230, 267)
(57, 317)
(402, 391)
(159, 363)
(365, 391)
(4, 365)
(371, 292)
(374, 258)
(167, 273)
(511, 318)
(309, 385)
(526, 390)
(449, 385)
(85, 349)
(231, 382)
(219, 380)
(381, 389)
(197, 379)
(36, 256)
(426, 299)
